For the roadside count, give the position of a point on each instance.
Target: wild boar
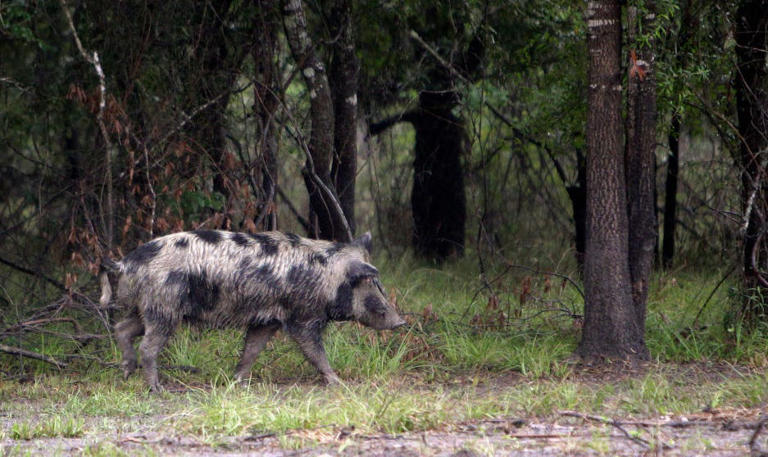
(259, 282)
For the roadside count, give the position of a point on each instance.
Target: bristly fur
(223, 279)
(180, 273)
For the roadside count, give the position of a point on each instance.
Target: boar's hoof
(243, 380)
(332, 380)
(129, 366)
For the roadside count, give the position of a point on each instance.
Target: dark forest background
(501, 131)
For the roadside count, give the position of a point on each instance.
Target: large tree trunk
(264, 168)
(611, 329)
(327, 222)
(752, 109)
(641, 166)
(438, 201)
(343, 72)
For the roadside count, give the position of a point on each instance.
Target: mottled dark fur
(260, 282)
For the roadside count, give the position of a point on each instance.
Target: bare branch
(612, 422)
(32, 355)
(52, 281)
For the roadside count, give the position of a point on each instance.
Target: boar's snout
(379, 313)
(399, 323)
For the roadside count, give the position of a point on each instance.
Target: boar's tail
(107, 265)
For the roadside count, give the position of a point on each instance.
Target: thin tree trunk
(265, 106)
(578, 196)
(611, 329)
(343, 72)
(641, 167)
(687, 25)
(752, 109)
(210, 74)
(670, 192)
(327, 222)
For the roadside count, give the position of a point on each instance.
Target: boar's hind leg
(154, 339)
(311, 345)
(125, 331)
(256, 338)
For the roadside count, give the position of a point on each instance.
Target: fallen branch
(32, 355)
(612, 422)
(35, 322)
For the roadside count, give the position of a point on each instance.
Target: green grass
(468, 355)
(50, 427)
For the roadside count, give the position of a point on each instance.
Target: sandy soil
(714, 433)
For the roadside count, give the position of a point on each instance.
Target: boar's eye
(379, 286)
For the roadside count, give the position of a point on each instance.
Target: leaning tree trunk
(752, 108)
(343, 72)
(611, 329)
(438, 201)
(326, 220)
(641, 164)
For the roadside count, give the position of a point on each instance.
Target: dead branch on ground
(31, 354)
(612, 422)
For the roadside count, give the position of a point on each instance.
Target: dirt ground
(714, 433)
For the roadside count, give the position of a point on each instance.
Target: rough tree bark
(611, 329)
(752, 109)
(343, 80)
(641, 162)
(264, 169)
(327, 223)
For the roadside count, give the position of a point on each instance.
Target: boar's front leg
(256, 338)
(311, 344)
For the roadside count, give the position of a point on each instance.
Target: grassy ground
(472, 355)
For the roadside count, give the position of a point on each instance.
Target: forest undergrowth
(479, 347)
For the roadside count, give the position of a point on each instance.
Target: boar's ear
(358, 270)
(364, 241)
